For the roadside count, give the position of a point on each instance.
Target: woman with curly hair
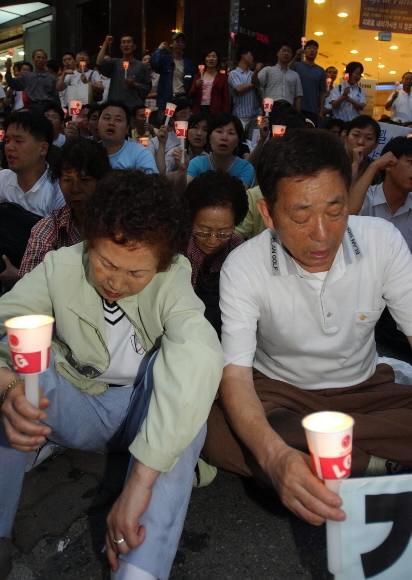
(217, 203)
(135, 365)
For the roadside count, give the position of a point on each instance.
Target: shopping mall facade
(343, 28)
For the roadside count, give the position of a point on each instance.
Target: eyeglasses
(217, 235)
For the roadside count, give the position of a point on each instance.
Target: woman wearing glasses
(217, 203)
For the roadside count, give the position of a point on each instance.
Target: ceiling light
(319, 1)
(392, 72)
(318, 33)
(394, 47)
(354, 51)
(376, 38)
(368, 59)
(343, 14)
(381, 66)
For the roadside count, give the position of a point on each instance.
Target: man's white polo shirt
(44, 197)
(315, 331)
(375, 205)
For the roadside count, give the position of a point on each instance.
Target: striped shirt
(280, 84)
(245, 105)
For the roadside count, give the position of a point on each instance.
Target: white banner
(375, 539)
(388, 132)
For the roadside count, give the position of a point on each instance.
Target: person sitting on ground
(113, 127)
(135, 366)
(299, 304)
(347, 100)
(391, 199)
(337, 126)
(362, 135)
(93, 115)
(217, 203)
(210, 89)
(27, 189)
(162, 145)
(140, 126)
(78, 170)
(225, 135)
(55, 114)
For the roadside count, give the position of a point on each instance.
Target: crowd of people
(237, 276)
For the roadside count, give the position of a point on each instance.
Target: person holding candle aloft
(81, 74)
(128, 308)
(130, 80)
(299, 305)
(210, 89)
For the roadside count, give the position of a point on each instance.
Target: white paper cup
(329, 437)
(278, 130)
(170, 109)
(267, 105)
(74, 108)
(29, 341)
(181, 129)
(144, 141)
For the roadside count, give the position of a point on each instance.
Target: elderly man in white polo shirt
(299, 304)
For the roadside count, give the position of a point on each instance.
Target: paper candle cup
(29, 341)
(2, 133)
(181, 129)
(147, 113)
(267, 105)
(144, 141)
(82, 65)
(169, 112)
(278, 130)
(201, 69)
(346, 77)
(125, 64)
(303, 41)
(74, 108)
(259, 120)
(329, 437)
(328, 83)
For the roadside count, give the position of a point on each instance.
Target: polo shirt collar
(283, 264)
(380, 199)
(36, 186)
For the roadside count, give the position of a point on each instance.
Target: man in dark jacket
(176, 71)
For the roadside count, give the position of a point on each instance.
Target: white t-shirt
(125, 350)
(375, 205)
(295, 327)
(44, 197)
(402, 106)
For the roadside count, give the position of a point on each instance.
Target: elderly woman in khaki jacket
(134, 365)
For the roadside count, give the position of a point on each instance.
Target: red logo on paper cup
(267, 105)
(336, 467)
(13, 340)
(169, 112)
(29, 362)
(346, 441)
(75, 108)
(181, 132)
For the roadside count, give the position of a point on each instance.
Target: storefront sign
(386, 15)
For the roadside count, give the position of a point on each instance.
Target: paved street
(232, 531)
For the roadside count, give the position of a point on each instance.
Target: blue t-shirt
(240, 168)
(133, 156)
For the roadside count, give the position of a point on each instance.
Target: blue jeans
(81, 421)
